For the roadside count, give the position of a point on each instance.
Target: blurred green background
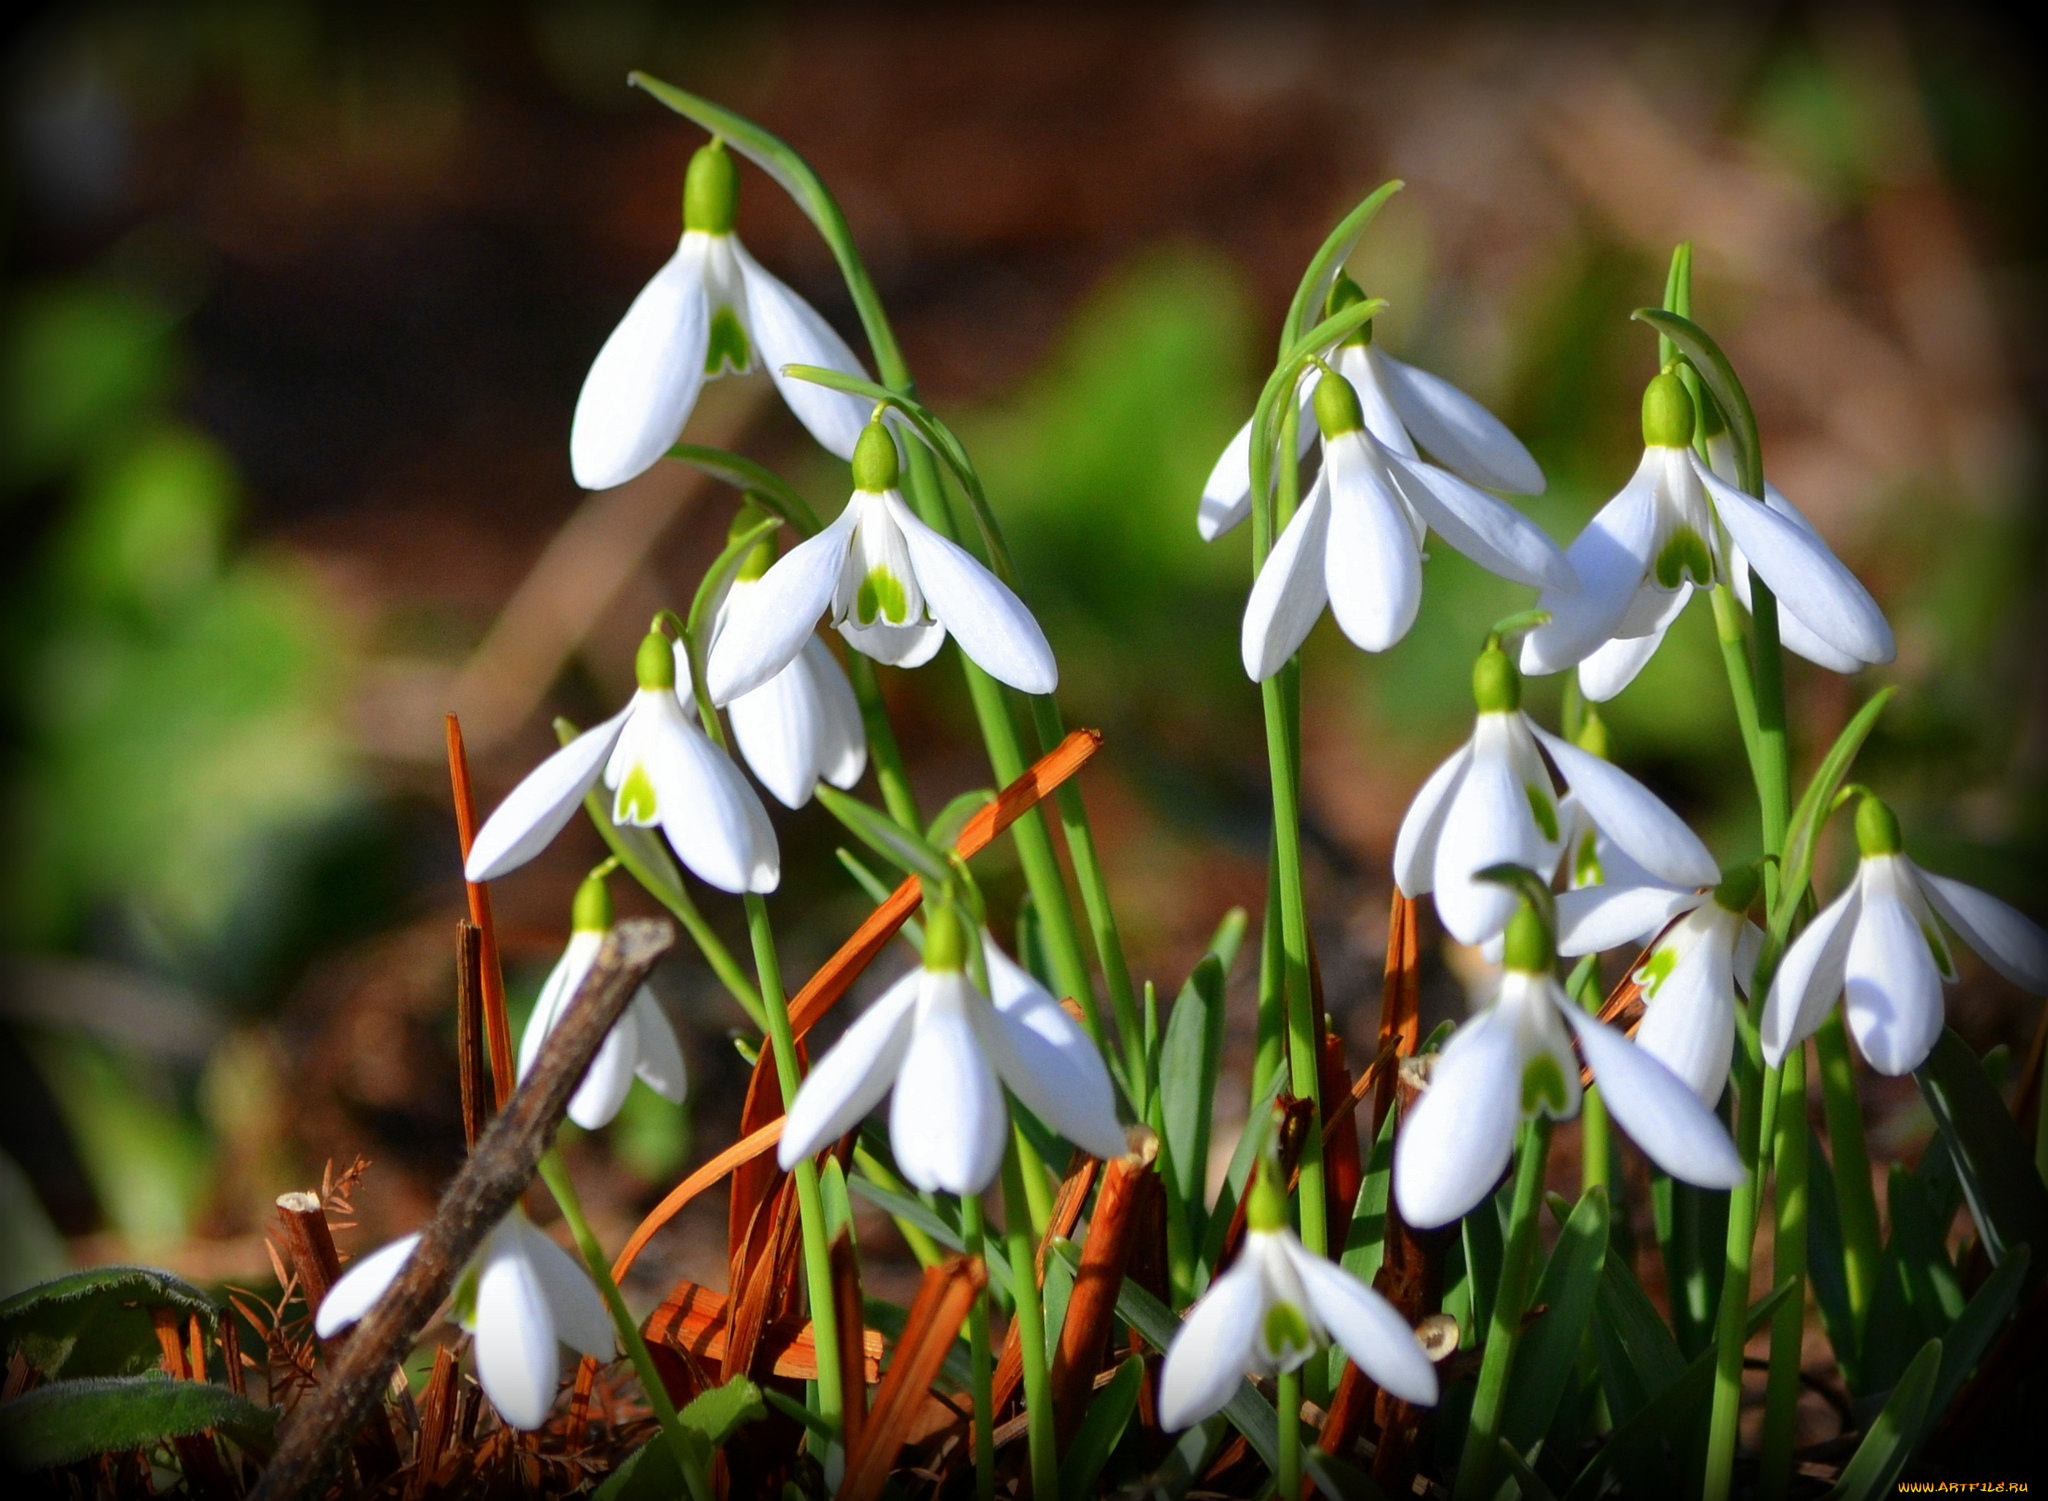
(299, 298)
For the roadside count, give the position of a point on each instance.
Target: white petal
(947, 1121)
(1632, 816)
(1593, 919)
(1227, 493)
(535, 811)
(1489, 822)
(991, 624)
(1366, 370)
(1809, 977)
(2007, 940)
(1889, 980)
(645, 380)
(1610, 558)
(1415, 846)
(801, 724)
(843, 737)
(851, 1079)
(1689, 1016)
(1458, 432)
(610, 1075)
(1211, 1350)
(1371, 563)
(574, 1303)
(1455, 1144)
(1490, 532)
(1793, 635)
(1656, 1108)
(1047, 1060)
(1288, 595)
(555, 994)
(788, 331)
(1612, 667)
(357, 1290)
(903, 646)
(659, 1063)
(1377, 1338)
(516, 1359)
(711, 816)
(767, 623)
(1808, 579)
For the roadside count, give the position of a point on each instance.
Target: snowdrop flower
(948, 1051)
(1706, 951)
(521, 1296)
(1356, 542)
(802, 726)
(1403, 408)
(709, 310)
(640, 1043)
(1273, 1308)
(1513, 1060)
(1878, 946)
(892, 586)
(1493, 803)
(1641, 557)
(663, 769)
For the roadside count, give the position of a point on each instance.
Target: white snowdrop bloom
(520, 1297)
(1877, 946)
(891, 585)
(1493, 803)
(1641, 557)
(640, 1044)
(711, 309)
(1355, 542)
(1705, 952)
(1405, 409)
(948, 1050)
(802, 726)
(663, 769)
(1273, 1308)
(1514, 1059)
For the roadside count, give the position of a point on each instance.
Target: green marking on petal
(1942, 959)
(1286, 1332)
(636, 802)
(727, 347)
(881, 593)
(463, 1308)
(1544, 810)
(1543, 1087)
(1586, 862)
(1685, 554)
(1655, 970)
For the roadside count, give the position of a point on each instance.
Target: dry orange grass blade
(754, 1180)
(1059, 1225)
(1105, 1257)
(745, 1149)
(1343, 1166)
(943, 1298)
(846, 1311)
(1400, 999)
(497, 1032)
(693, 1324)
(766, 1277)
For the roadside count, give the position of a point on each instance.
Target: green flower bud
(874, 459)
(711, 190)
(1667, 413)
(1266, 1208)
(1877, 828)
(761, 556)
(1528, 946)
(1337, 408)
(945, 940)
(592, 910)
(1344, 293)
(1496, 684)
(1738, 887)
(654, 665)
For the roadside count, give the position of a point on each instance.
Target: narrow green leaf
(796, 1412)
(1811, 814)
(2006, 1196)
(713, 1415)
(1256, 1128)
(1365, 1242)
(1054, 1297)
(766, 151)
(1102, 1427)
(886, 837)
(1971, 1334)
(1550, 1347)
(1229, 937)
(944, 831)
(64, 1422)
(832, 1190)
(711, 589)
(1827, 1265)
(936, 1226)
(1638, 1356)
(1339, 1477)
(97, 1322)
(1706, 357)
(888, 1320)
(1485, 1241)
(1329, 259)
(1904, 1310)
(754, 480)
(1875, 1467)
(1190, 1055)
(1528, 1482)
(1280, 385)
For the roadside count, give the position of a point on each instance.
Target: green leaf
(1229, 937)
(97, 1322)
(939, 1229)
(1329, 259)
(1280, 386)
(1109, 1413)
(67, 1421)
(1365, 1242)
(1918, 1294)
(1692, 1236)
(713, 1415)
(1827, 1265)
(1885, 1449)
(766, 151)
(832, 1190)
(1258, 1126)
(1530, 1484)
(1054, 1297)
(1338, 1477)
(1550, 1347)
(1190, 1055)
(888, 1320)
(886, 837)
(2006, 1196)
(944, 830)
(1706, 357)
(1971, 1334)
(1811, 815)
(711, 589)
(1638, 1356)
(756, 481)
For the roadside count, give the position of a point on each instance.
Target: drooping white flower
(947, 1051)
(1493, 803)
(1513, 1060)
(520, 1297)
(663, 769)
(1405, 410)
(1705, 952)
(1877, 945)
(1355, 543)
(709, 310)
(641, 1042)
(891, 585)
(1273, 1308)
(1641, 557)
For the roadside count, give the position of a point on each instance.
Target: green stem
(1730, 1315)
(1267, 1058)
(973, 1236)
(1287, 1400)
(1856, 1201)
(1728, 631)
(890, 774)
(1300, 1000)
(1596, 1135)
(1788, 1324)
(556, 1176)
(1504, 1323)
(1038, 1191)
(1030, 1316)
(929, 1253)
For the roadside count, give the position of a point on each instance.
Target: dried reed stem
(496, 1030)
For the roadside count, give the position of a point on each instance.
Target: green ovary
(1545, 813)
(727, 346)
(1685, 554)
(1543, 1087)
(882, 594)
(636, 803)
(1286, 1332)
